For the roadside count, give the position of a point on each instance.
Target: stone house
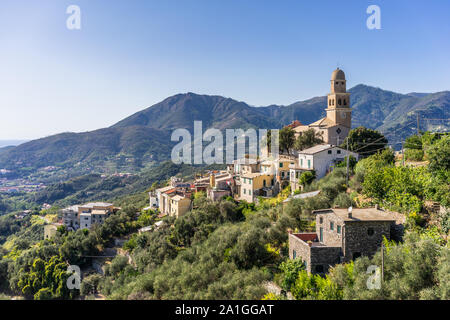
(341, 235)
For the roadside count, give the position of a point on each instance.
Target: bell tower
(338, 109)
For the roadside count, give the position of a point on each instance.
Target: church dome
(338, 74)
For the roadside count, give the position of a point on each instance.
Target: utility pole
(403, 153)
(418, 130)
(348, 160)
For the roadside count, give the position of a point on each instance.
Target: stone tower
(338, 110)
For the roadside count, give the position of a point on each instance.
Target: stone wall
(330, 237)
(323, 257)
(358, 241)
(302, 250)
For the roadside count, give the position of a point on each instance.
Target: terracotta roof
(294, 124)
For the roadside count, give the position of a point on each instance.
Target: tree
(306, 177)
(290, 269)
(439, 155)
(365, 141)
(287, 139)
(308, 139)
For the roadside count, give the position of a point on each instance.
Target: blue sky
(131, 54)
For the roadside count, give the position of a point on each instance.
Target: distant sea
(7, 143)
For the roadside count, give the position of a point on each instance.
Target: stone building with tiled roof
(342, 235)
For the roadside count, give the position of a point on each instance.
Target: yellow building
(179, 206)
(252, 185)
(50, 230)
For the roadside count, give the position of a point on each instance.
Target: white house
(85, 220)
(322, 158)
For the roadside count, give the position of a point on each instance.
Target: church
(335, 127)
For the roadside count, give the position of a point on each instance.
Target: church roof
(338, 74)
(324, 122)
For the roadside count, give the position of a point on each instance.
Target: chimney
(350, 212)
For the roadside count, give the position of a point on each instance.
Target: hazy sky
(131, 54)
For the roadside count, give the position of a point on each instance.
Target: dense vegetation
(230, 250)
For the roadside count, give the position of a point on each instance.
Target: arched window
(329, 102)
(339, 102)
(345, 102)
(333, 102)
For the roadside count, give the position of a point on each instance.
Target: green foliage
(413, 270)
(308, 139)
(351, 164)
(90, 284)
(45, 279)
(365, 141)
(287, 139)
(414, 155)
(439, 155)
(306, 177)
(315, 287)
(290, 270)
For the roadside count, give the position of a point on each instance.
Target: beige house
(179, 206)
(50, 230)
(335, 127)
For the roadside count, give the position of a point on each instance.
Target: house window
(321, 220)
(301, 162)
(245, 191)
(294, 254)
(264, 183)
(339, 152)
(249, 192)
(338, 229)
(329, 151)
(331, 225)
(281, 164)
(370, 231)
(309, 164)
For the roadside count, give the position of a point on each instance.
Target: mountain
(11, 143)
(105, 149)
(144, 137)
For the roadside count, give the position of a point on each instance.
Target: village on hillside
(341, 235)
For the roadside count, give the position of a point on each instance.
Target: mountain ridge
(145, 135)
